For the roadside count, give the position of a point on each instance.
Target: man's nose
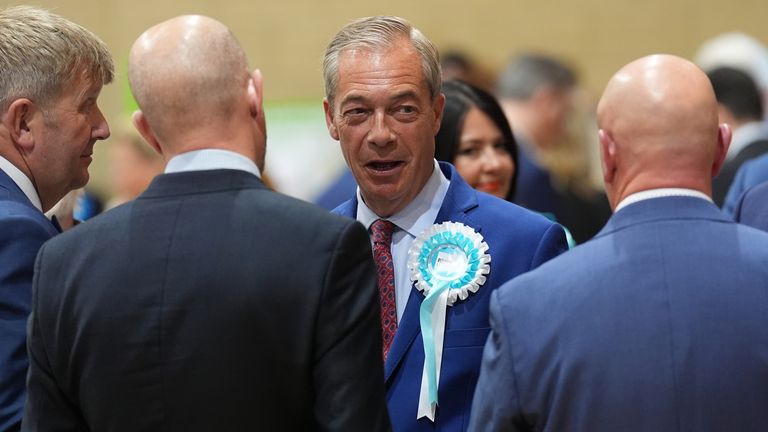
(380, 133)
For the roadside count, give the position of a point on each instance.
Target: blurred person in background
(456, 64)
(740, 106)
(739, 51)
(52, 73)
(132, 166)
(752, 207)
(545, 108)
(751, 173)
(476, 138)
(535, 92)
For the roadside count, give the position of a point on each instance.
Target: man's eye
(406, 109)
(354, 112)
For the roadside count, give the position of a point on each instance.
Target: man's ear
(438, 107)
(608, 156)
(141, 125)
(332, 129)
(17, 120)
(256, 94)
(724, 135)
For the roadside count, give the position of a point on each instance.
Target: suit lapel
(459, 199)
(11, 191)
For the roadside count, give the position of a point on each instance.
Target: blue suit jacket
(23, 229)
(752, 173)
(518, 241)
(752, 208)
(658, 324)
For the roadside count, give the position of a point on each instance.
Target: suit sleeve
(20, 239)
(735, 191)
(552, 244)
(47, 407)
(496, 405)
(348, 372)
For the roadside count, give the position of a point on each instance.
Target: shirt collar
(22, 181)
(211, 159)
(660, 193)
(420, 213)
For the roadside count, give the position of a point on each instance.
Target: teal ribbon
(428, 337)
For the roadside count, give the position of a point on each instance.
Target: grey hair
(380, 32)
(529, 72)
(42, 53)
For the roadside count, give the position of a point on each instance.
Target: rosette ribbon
(447, 262)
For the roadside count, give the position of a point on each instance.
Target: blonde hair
(376, 33)
(42, 53)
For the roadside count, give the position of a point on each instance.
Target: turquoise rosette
(451, 253)
(447, 262)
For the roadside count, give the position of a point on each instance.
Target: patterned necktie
(381, 231)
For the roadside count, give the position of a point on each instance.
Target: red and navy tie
(381, 232)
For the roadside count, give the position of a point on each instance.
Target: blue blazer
(518, 241)
(23, 229)
(752, 208)
(752, 173)
(659, 323)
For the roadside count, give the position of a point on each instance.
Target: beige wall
(286, 38)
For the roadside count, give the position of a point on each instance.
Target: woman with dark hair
(476, 138)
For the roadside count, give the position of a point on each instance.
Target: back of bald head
(660, 113)
(186, 73)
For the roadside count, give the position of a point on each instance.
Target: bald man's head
(187, 72)
(659, 127)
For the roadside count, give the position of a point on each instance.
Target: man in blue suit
(659, 322)
(752, 208)
(383, 103)
(752, 173)
(53, 71)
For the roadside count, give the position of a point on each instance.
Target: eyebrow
(405, 94)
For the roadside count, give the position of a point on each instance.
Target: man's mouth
(384, 166)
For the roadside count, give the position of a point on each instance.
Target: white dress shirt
(211, 159)
(22, 181)
(660, 193)
(417, 216)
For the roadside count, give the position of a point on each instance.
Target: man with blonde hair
(52, 73)
(209, 303)
(659, 322)
(384, 105)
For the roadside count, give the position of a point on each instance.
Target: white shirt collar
(22, 181)
(745, 135)
(420, 213)
(211, 159)
(660, 193)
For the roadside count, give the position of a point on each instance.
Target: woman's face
(481, 159)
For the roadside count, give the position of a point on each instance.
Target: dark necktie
(381, 231)
(55, 223)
